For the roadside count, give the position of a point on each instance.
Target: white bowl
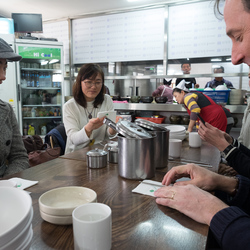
(176, 128)
(221, 87)
(177, 136)
(20, 238)
(58, 220)
(62, 201)
(15, 210)
(7, 183)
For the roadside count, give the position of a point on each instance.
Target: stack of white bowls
(177, 132)
(16, 216)
(236, 96)
(56, 206)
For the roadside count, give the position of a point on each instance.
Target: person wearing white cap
(165, 90)
(13, 155)
(197, 102)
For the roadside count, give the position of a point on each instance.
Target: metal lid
(131, 130)
(150, 125)
(96, 152)
(127, 129)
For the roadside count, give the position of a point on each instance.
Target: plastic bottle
(33, 112)
(43, 130)
(58, 97)
(31, 130)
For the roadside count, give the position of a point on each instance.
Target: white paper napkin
(147, 187)
(22, 183)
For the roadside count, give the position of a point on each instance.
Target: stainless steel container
(113, 155)
(136, 158)
(97, 158)
(135, 150)
(161, 147)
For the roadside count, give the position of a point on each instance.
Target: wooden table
(137, 221)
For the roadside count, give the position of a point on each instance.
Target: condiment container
(97, 158)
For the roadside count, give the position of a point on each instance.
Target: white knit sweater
(75, 118)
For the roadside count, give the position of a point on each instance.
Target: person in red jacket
(197, 102)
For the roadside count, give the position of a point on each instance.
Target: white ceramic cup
(92, 227)
(194, 140)
(175, 148)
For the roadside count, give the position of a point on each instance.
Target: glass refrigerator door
(40, 89)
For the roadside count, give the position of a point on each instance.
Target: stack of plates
(15, 220)
(236, 96)
(56, 206)
(177, 132)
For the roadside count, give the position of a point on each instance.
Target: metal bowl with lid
(97, 158)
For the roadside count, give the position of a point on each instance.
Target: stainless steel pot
(97, 158)
(136, 158)
(135, 150)
(161, 142)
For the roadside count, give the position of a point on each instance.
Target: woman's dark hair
(178, 90)
(88, 71)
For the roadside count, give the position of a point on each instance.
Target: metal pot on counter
(161, 147)
(135, 150)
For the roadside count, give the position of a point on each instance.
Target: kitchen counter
(237, 109)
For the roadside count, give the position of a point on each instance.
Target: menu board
(195, 31)
(131, 36)
(60, 31)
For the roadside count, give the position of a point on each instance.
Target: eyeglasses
(90, 83)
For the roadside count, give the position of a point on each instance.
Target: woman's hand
(214, 136)
(93, 124)
(191, 201)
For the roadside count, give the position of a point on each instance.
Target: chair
(59, 137)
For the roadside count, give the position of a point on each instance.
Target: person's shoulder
(70, 103)
(5, 105)
(107, 98)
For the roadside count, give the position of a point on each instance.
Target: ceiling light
(229, 59)
(216, 60)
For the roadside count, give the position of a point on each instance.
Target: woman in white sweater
(80, 113)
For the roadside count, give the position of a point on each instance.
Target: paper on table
(148, 187)
(22, 183)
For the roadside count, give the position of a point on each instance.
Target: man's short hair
(221, 67)
(186, 63)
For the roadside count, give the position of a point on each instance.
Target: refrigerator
(40, 87)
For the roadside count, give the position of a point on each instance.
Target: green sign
(39, 52)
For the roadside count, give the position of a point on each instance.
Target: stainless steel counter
(237, 109)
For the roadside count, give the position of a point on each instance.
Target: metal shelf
(168, 107)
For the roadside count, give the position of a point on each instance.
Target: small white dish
(62, 201)
(58, 220)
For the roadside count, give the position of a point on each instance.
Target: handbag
(32, 143)
(45, 154)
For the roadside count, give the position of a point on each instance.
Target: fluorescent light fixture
(53, 61)
(216, 60)
(229, 59)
